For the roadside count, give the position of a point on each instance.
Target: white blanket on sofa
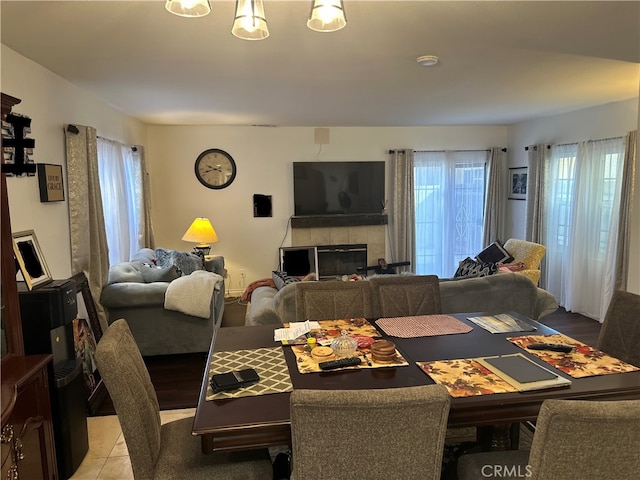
(191, 294)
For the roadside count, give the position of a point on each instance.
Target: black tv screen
(335, 188)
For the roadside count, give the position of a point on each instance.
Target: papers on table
(295, 330)
(502, 323)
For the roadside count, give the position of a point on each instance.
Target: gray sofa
(133, 293)
(491, 294)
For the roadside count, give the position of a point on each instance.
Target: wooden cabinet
(28, 449)
(27, 433)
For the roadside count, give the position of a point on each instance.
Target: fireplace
(338, 260)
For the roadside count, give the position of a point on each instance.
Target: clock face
(215, 168)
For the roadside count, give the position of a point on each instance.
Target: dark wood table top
(260, 421)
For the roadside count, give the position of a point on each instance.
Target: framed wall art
(50, 182)
(30, 259)
(518, 183)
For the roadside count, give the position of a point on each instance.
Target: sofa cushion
(159, 274)
(125, 272)
(469, 268)
(185, 261)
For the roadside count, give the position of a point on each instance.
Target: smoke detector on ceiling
(427, 60)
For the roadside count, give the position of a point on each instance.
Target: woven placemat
(268, 362)
(422, 326)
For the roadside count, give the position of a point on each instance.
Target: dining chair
(574, 440)
(368, 434)
(333, 300)
(620, 332)
(405, 295)
(158, 451)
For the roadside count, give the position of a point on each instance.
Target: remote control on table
(554, 347)
(341, 362)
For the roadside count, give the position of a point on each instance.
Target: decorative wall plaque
(51, 184)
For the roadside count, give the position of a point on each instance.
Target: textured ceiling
(500, 62)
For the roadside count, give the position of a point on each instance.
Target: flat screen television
(335, 188)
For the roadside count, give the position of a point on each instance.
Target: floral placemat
(583, 361)
(422, 326)
(306, 364)
(269, 363)
(331, 329)
(465, 377)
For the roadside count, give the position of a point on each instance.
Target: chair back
(367, 434)
(583, 440)
(126, 377)
(529, 253)
(405, 295)
(332, 300)
(620, 332)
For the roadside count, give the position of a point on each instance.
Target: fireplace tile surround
(371, 235)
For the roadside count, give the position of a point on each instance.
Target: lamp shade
(250, 22)
(188, 8)
(201, 232)
(327, 16)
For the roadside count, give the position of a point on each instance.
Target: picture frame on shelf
(28, 254)
(518, 183)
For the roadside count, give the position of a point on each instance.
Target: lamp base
(201, 251)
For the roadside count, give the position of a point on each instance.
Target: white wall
(51, 102)
(264, 158)
(611, 120)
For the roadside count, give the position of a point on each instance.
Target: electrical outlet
(243, 273)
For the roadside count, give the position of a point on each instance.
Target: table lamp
(201, 232)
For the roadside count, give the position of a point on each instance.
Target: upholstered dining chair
(529, 253)
(393, 433)
(158, 451)
(400, 296)
(620, 332)
(332, 300)
(574, 440)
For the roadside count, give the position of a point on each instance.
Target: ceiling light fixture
(327, 16)
(427, 60)
(250, 22)
(188, 8)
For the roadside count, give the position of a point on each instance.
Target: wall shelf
(344, 220)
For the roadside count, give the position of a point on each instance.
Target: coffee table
(263, 421)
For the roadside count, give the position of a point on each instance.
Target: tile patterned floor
(108, 458)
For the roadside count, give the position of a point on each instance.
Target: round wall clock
(215, 168)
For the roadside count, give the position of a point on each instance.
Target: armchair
(529, 253)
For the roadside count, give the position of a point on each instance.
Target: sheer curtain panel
(449, 191)
(121, 182)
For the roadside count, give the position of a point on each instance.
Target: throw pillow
(159, 274)
(469, 268)
(495, 253)
(186, 262)
(125, 272)
(280, 279)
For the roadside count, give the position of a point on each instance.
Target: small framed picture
(518, 183)
(30, 259)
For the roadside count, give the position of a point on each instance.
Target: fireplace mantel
(344, 220)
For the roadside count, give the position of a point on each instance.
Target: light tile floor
(108, 458)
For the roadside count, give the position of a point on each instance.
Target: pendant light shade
(250, 22)
(327, 16)
(188, 8)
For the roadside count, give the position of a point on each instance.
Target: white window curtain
(583, 184)
(449, 191)
(121, 183)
